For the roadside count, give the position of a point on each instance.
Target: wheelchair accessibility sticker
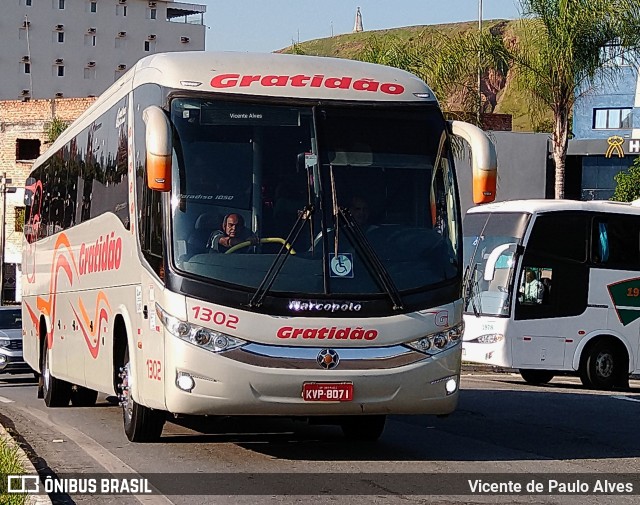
(341, 265)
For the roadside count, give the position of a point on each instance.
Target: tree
(628, 184)
(560, 56)
(55, 128)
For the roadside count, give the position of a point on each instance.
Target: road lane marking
(619, 397)
(5, 400)
(97, 451)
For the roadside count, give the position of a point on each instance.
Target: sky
(268, 25)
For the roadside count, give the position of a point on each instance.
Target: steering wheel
(266, 240)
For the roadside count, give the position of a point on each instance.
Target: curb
(30, 499)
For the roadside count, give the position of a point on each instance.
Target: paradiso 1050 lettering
(357, 333)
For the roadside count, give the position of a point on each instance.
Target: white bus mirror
(483, 160)
(490, 269)
(158, 148)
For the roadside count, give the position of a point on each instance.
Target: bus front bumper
(226, 386)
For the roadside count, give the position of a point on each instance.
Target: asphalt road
(502, 428)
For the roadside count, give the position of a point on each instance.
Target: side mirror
(483, 160)
(158, 146)
(490, 269)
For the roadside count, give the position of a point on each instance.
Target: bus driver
(233, 232)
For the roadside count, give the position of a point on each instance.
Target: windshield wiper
(304, 216)
(469, 291)
(371, 259)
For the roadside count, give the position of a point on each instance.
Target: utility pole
(479, 65)
(4, 189)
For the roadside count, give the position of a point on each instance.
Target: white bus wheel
(599, 368)
(141, 424)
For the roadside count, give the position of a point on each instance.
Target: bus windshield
(278, 175)
(490, 247)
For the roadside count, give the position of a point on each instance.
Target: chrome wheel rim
(604, 365)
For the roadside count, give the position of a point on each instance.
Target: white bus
(554, 288)
(135, 284)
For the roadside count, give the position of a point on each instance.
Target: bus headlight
(205, 338)
(439, 341)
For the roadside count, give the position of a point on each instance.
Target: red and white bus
(349, 314)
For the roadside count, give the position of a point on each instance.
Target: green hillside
(508, 99)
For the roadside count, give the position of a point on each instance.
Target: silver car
(11, 360)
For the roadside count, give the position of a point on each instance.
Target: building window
(612, 119)
(27, 68)
(121, 10)
(147, 45)
(93, 7)
(61, 4)
(61, 37)
(152, 13)
(27, 149)
(61, 71)
(27, 3)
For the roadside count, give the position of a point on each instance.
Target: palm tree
(559, 56)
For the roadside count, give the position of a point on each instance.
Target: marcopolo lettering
(307, 81)
(334, 333)
(299, 306)
(105, 254)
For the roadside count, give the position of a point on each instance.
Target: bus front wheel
(141, 424)
(599, 368)
(56, 392)
(363, 428)
(536, 377)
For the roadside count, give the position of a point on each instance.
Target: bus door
(551, 289)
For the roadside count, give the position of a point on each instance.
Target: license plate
(327, 391)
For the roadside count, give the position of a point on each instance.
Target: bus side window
(616, 242)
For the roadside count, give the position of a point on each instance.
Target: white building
(78, 48)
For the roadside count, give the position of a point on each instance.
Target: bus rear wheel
(141, 424)
(536, 377)
(56, 392)
(363, 428)
(83, 397)
(599, 368)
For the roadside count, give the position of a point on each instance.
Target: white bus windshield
(257, 168)
(490, 246)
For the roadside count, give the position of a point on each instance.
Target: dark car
(11, 360)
